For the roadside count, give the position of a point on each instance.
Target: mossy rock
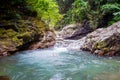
(101, 45)
(27, 31)
(7, 33)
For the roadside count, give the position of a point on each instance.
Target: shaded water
(59, 64)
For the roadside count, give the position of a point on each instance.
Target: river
(59, 63)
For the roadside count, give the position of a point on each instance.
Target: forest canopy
(99, 13)
(46, 10)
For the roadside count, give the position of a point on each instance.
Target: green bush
(100, 13)
(47, 10)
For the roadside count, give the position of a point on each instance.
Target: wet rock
(104, 41)
(6, 47)
(29, 32)
(47, 41)
(82, 31)
(76, 31)
(69, 30)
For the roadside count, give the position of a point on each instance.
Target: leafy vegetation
(99, 13)
(64, 5)
(114, 9)
(47, 10)
(23, 22)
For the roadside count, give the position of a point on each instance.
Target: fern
(110, 7)
(114, 9)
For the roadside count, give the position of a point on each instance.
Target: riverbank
(24, 35)
(102, 41)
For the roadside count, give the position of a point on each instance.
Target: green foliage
(19, 22)
(13, 9)
(7, 33)
(80, 8)
(64, 5)
(114, 9)
(110, 7)
(47, 10)
(76, 13)
(99, 13)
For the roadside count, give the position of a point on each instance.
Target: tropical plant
(113, 9)
(99, 13)
(47, 10)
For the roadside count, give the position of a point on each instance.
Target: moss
(27, 31)
(7, 33)
(40, 25)
(101, 45)
(26, 37)
(17, 41)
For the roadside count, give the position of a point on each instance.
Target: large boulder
(76, 31)
(104, 41)
(68, 30)
(23, 34)
(47, 40)
(82, 31)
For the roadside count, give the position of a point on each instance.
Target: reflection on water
(59, 64)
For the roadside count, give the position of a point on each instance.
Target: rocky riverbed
(102, 41)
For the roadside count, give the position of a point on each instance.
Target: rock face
(47, 40)
(76, 31)
(69, 30)
(24, 34)
(82, 31)
(104, 41)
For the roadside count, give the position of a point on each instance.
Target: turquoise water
(59, 64)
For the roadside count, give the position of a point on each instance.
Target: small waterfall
(69, 44)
